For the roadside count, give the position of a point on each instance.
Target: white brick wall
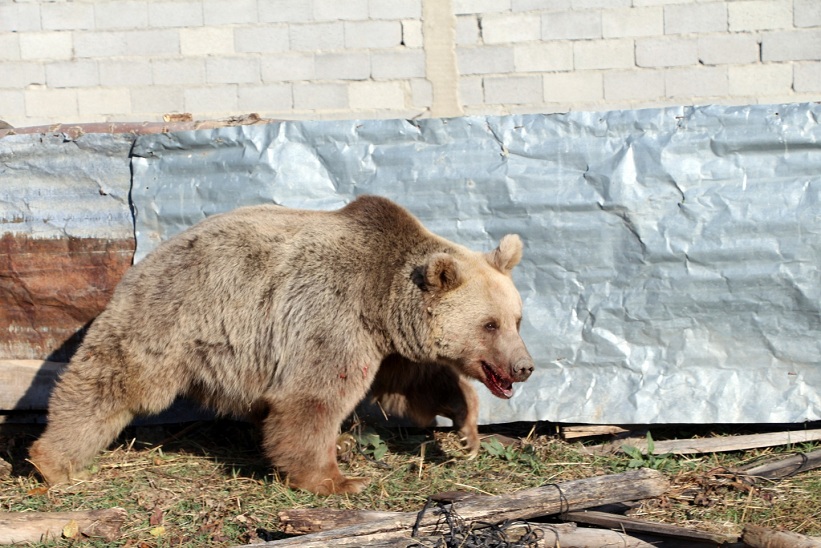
(92, 60)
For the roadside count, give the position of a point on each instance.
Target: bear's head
(475, 312)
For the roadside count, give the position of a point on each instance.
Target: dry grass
(207, 484)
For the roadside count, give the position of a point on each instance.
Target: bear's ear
(507, 255)
(440, 273)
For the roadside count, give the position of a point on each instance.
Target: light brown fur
(293, 312)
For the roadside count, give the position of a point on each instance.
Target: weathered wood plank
(715, 445)
(783, 467)
(25, 385)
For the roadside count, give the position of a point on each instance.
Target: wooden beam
(25, 385)
(715, 445)
(783, 466)
(590, 430)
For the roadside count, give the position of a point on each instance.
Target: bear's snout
(522, 368)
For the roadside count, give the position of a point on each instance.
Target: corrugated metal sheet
(66, 237)
(671, 263)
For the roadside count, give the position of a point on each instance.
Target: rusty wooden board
(51, 288)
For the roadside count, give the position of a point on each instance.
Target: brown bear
(293, 315)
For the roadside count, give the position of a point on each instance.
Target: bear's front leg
(299, 437)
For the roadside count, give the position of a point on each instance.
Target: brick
(695, 18)
(266, 98)
(45, 45)
(232, 70)
(463, 7)
(207, 41)
(175, 13)
(593, 4)
(666, 52)
(103, 101)
(543, 57)
(288, 67)
(311, 96)
(220, 12)
(807, 77)
(696, 82)
(152, 42)
(67, 16)
(806, 13)
(334, 10)
(634, 85)
(59, 104)
(800, 45)
(412, 34)
(395, 9)
(395, 65)
(632, 22)
(72, 74)
(573, 87)
(20, 75)
(157, 99)
(178, 72)
(16, 17)
(505, 28)
(645, 3)
(603, 54)
(10, 46)
(122, 73)
(760, 15)
(421, 93)
(471, 90)
(372, 34)
(263, 39)
(571, 25)
(376, 95)
(515, 90)
(285, 11)
(100, 44)
(342, 66)
(13, 106)
(728, 49)
(317, 36)
(202, 100)
(120, 15)
(753, 80)
(540, 5)
(484, 60)
(467, 30)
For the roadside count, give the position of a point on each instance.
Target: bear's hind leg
(300, 440)
(89, 407)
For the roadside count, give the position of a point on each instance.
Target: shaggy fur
(289, 314)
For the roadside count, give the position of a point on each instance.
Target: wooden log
(521, 505)
(26, 384)
(23, 527)
(762, 537)
(303, 521)
(551, 536)
(715, 445)
(633, 525)
(783, 467)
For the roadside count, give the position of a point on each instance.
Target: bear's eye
(491, 326)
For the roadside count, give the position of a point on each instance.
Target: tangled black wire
(451, 531)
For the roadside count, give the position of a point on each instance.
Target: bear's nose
(522, 369)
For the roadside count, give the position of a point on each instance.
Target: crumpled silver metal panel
(671, 270)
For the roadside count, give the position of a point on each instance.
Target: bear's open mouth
(498, 386)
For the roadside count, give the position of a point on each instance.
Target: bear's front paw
(470, 445)
(340, 486)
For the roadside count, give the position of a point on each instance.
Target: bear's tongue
(498, 386)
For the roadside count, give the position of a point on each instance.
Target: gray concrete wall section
(136, 60)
